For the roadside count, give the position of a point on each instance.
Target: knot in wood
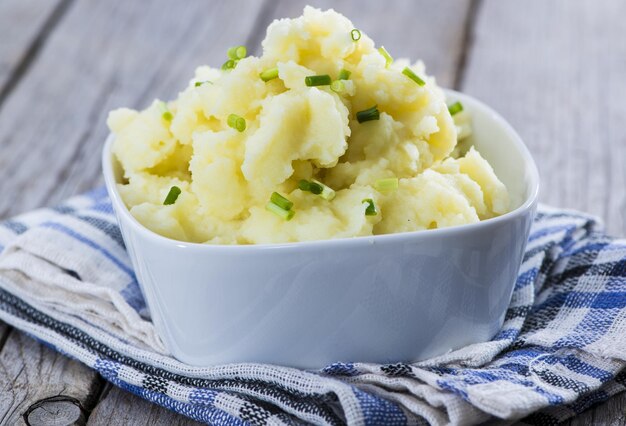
(55, 411)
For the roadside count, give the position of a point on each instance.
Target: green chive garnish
(386, 55)
(237, 52)
(386, 184)
(236, 122)
(370, 210)
(229, 65)
(344, 74)
(200, 83)
(317, 80)
(281, 201)
(409, 73)
(311, 187)
(327, 192)
(165, 113)
(337, 86)
(269, 74)
(172, 196)
(279, 211)
(355, 34)
(455, 108)
(318, 188)
(368, 114)
(280, 206)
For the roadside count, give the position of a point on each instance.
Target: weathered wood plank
(24, 25)
(31, 373)
(556, 71)
(118, 407)
(610, 413)
(104, 55)
(432, 32)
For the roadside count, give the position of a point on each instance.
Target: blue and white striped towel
(65, 279)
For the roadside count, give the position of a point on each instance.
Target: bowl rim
(529, 202)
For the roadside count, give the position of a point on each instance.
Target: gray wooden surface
(556, 70)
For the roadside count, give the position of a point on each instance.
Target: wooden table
(556, 70)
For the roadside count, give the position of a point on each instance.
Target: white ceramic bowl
(387, 298)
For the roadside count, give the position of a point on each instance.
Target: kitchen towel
(66, 280)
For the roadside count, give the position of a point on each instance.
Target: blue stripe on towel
(71, 233)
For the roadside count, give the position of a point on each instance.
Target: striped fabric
(66, 280)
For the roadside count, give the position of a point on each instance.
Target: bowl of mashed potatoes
(322, 202)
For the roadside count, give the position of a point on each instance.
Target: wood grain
(609, 413)
(31, 372)
(24, 26)
(56, 410)
(557, 72)
(119, 407)
(102, 55)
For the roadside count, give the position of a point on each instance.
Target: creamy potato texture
(297, 132)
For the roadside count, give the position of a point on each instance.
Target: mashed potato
(392, 169)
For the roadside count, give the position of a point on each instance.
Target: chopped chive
(269, 74)
(368, 114)
(386, 55)
(304, 185)
(200, 83)
(337, 86)
(165, 112)
(409, 73)
(279, 211)
(370, 210)
(281, 201)
(312, 187)
(327, 192)
(317, 80)
(344, 74)
(172, 196)
(455, 108)
(237, 52)
(355, 34)
(318, 188)
(229, 65)
(386, 184)
(236, 122)
(280, 206)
